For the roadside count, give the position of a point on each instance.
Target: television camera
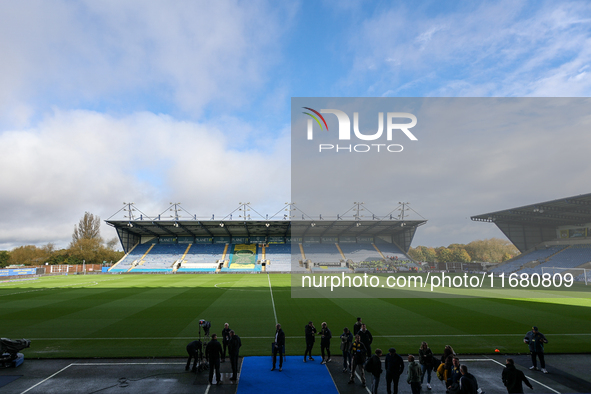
(9, 352)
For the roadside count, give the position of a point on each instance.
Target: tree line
(87, 246)
(493, 250)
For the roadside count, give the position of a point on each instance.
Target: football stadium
(126, 328)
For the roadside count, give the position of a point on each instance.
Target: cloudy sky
(109, 102)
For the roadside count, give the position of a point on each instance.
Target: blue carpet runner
(297, 377)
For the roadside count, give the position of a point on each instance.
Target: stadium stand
(390, 250)
(161, 257)
(203, 258)
(205, 253)
(278, 257)
(359, 252)
(569, 257)
(534, 257)
(131, 258)
(251, 245)
(322, 253)
(242, 257)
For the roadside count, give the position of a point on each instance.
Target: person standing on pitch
(359, 354)
(357, 326)
(394, 367)
(225, 339)
(310, 331)
(426, 362)
(213, 352)
(346, 343)
(414, 375)
(278, 347)
(512, 378)
(234, 344)
(325, 336)
(536, 341)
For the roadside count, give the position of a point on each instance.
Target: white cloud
(526, 49)
(77, 161)
(186, 54)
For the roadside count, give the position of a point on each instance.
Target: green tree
(4, 256)
(491, 250)
(461, 256)
(430, 254)
(444, 255)
(416, 254)
(28, 255)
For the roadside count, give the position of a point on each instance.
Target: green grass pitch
(157, 315)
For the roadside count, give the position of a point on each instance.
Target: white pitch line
(45, 380)
(293, 337)
(541, 384)
(272, 301)
(87, 364)
(367, 388)
(332, 378)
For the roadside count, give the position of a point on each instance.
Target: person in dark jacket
(310, 332)
(426, 361)
(394, 366)
(234, 344)
(359, 355)
(225, 339)
(278, 347)
(366, 338)
(468, 383)
(455, 373)
(194, 348)
(357, 326)
(447, 351)
(325, 336)
(536, 341)
(213, 352)
(414, 375)
(512, 378)
(346, 343)
(376, 370)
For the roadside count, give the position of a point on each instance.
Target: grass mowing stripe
(150, 315)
